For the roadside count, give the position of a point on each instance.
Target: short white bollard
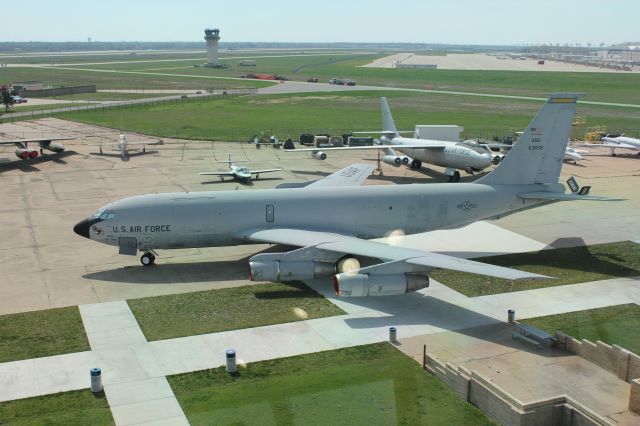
(96, 380)
(511, 316)
(231, 361)
(392, 334)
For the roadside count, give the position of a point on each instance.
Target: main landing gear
(455, 177)
(148, 258)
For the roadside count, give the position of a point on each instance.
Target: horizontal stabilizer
(555, 196)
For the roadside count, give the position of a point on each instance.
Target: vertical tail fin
(538, 154)
(388, 126)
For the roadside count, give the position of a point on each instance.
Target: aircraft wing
(265, 171)
(435, 145)
(228, 173)
(391, 254)
(14, 141)
(352, 175)
(556, 196)
(619, 145)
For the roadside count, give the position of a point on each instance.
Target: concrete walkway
(119, 348)
(137, 391)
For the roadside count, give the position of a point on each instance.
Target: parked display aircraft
(570, 154)
(23, 151)
(450, 155)
(332, 219)
(124, 146)
(240, 173)
(621, 142)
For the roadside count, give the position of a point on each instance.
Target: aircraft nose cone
(82, 228)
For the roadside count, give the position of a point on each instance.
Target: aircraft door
(270, 213)
(128, 246)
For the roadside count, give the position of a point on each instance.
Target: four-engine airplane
(450, 155)
(242, 174)
(333, 219)
(23, 151)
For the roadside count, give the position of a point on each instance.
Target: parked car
(19, 100)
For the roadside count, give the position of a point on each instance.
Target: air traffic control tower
(212, 37)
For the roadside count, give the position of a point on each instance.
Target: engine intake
(276, 270)
(392, 160)
(361, 285)
(318, 155)
(54, 147)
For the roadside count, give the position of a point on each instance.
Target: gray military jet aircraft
(23, 151)
(125, 146)
(242, 174)
(332, 219)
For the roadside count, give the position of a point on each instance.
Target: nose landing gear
(148, 259)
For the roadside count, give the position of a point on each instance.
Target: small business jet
(240, 173)
(621, 142)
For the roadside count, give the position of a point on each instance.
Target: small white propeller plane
(240, 173)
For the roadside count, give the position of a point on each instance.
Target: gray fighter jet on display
(332, 219)
(240, 173)
(23, 151)
(125, 146)
(450, 155)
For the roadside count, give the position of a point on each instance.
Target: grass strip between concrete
(567, 265)
(213, 311)
(614, 325)
(372, 385)
(41, 333)
(80, 407)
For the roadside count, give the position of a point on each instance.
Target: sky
(400, 21)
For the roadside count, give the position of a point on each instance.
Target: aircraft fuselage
(211, 219)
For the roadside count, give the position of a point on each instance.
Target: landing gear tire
(416, 164)
(455, 177)
(147, 259)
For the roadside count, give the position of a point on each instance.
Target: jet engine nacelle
(26, 153)
(392, 160)
(55, 147)
(318, 155)
(360, 285)
(496, 159)
(277, 270)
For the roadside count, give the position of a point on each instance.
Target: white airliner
(332, 220)
(239, 173)
(450, 155)
(124, 146)
(621, 142)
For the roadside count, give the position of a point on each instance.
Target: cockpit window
(104, 214)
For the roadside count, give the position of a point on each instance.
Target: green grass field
(239, 118)
(568, 265)
(212, 311)
(109, 80)
(597, 86)
(619, 325)
(364, 385)
(69, 408)
(112, 96)
(29, 108)
(41, 333)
